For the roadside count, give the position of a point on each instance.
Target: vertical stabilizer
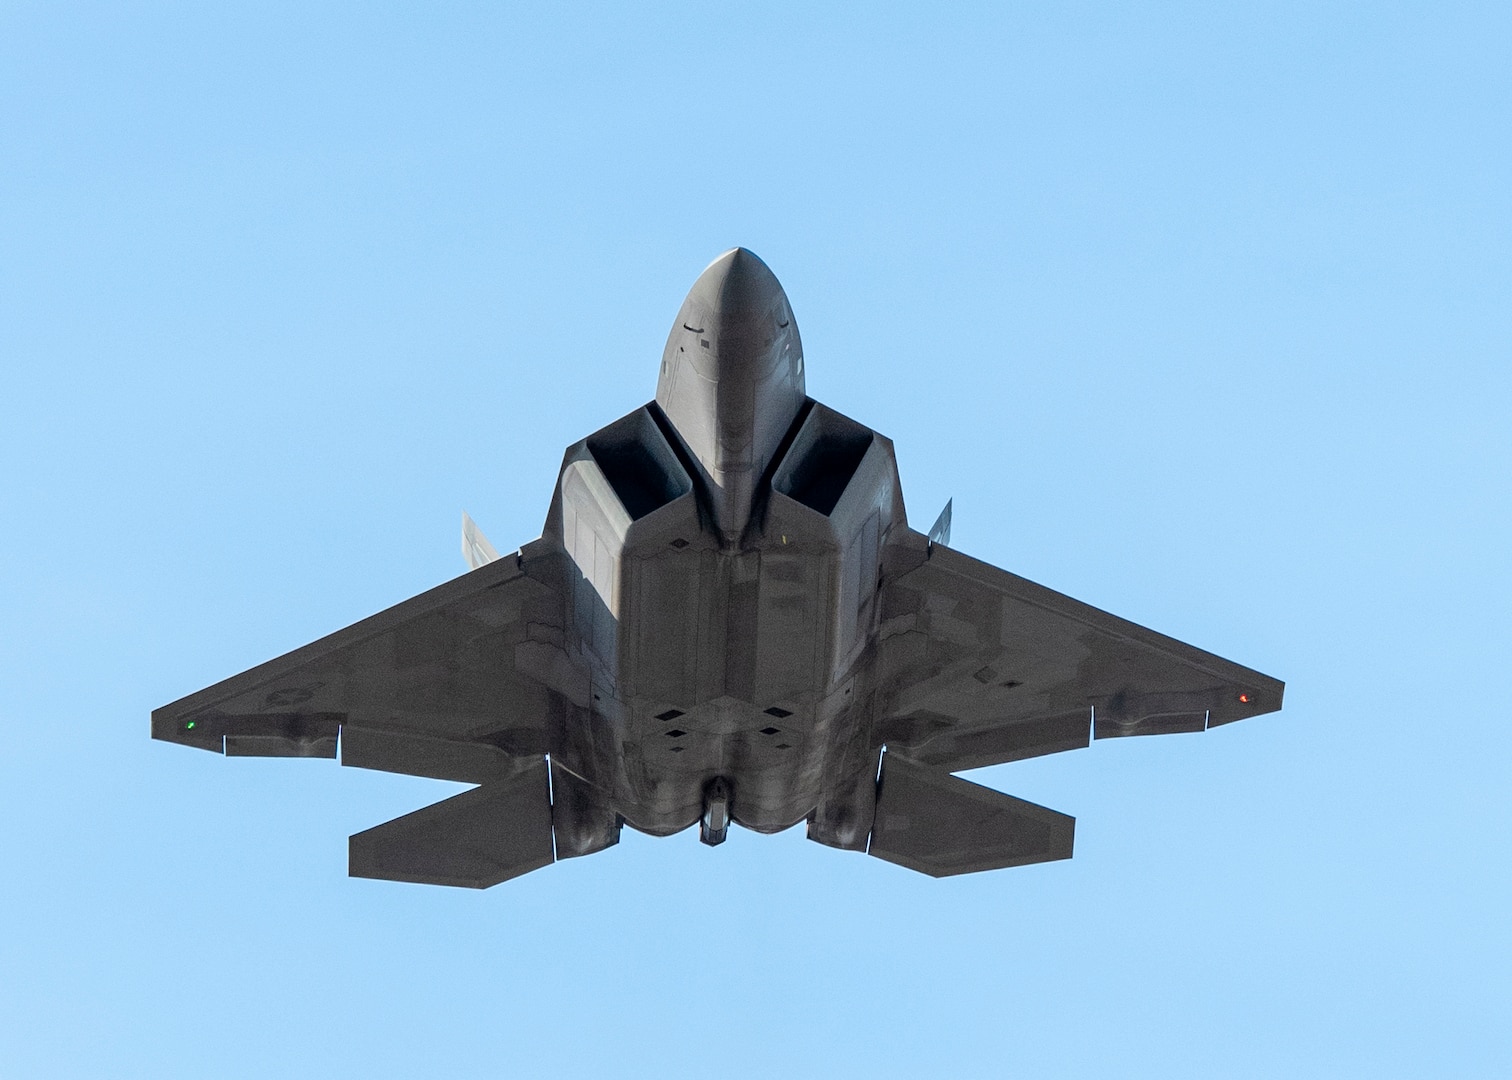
(939, 532)
(475, 546)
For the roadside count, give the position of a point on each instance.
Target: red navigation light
(1244, 698)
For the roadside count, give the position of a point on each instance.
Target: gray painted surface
(938, 824)
(726, 618)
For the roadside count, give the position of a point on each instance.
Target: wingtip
(1264, 696)
(173, 727)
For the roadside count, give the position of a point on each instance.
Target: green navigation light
(189, 726)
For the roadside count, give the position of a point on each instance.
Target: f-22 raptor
(727, 618)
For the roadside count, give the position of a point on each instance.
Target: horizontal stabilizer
(939, 824)
(473, 840)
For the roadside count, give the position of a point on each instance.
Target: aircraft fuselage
(726, 542)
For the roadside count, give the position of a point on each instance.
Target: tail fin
(939, 532)
(475, 546)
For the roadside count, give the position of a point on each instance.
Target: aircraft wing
(456, 683)
(440, 685)
(979, 666)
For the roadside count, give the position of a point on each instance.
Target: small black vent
(678, 749)
(679, 543)
(1011, 683)
(784, 746)
(675, 733)
(778, 713)
(670, 714)
(770, 730)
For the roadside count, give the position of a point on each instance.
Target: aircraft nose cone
(738, 287)
(731, 379)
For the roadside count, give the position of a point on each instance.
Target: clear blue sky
(1200, 312)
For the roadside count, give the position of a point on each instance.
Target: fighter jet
(726, 618)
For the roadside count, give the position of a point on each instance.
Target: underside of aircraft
(727, 618)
